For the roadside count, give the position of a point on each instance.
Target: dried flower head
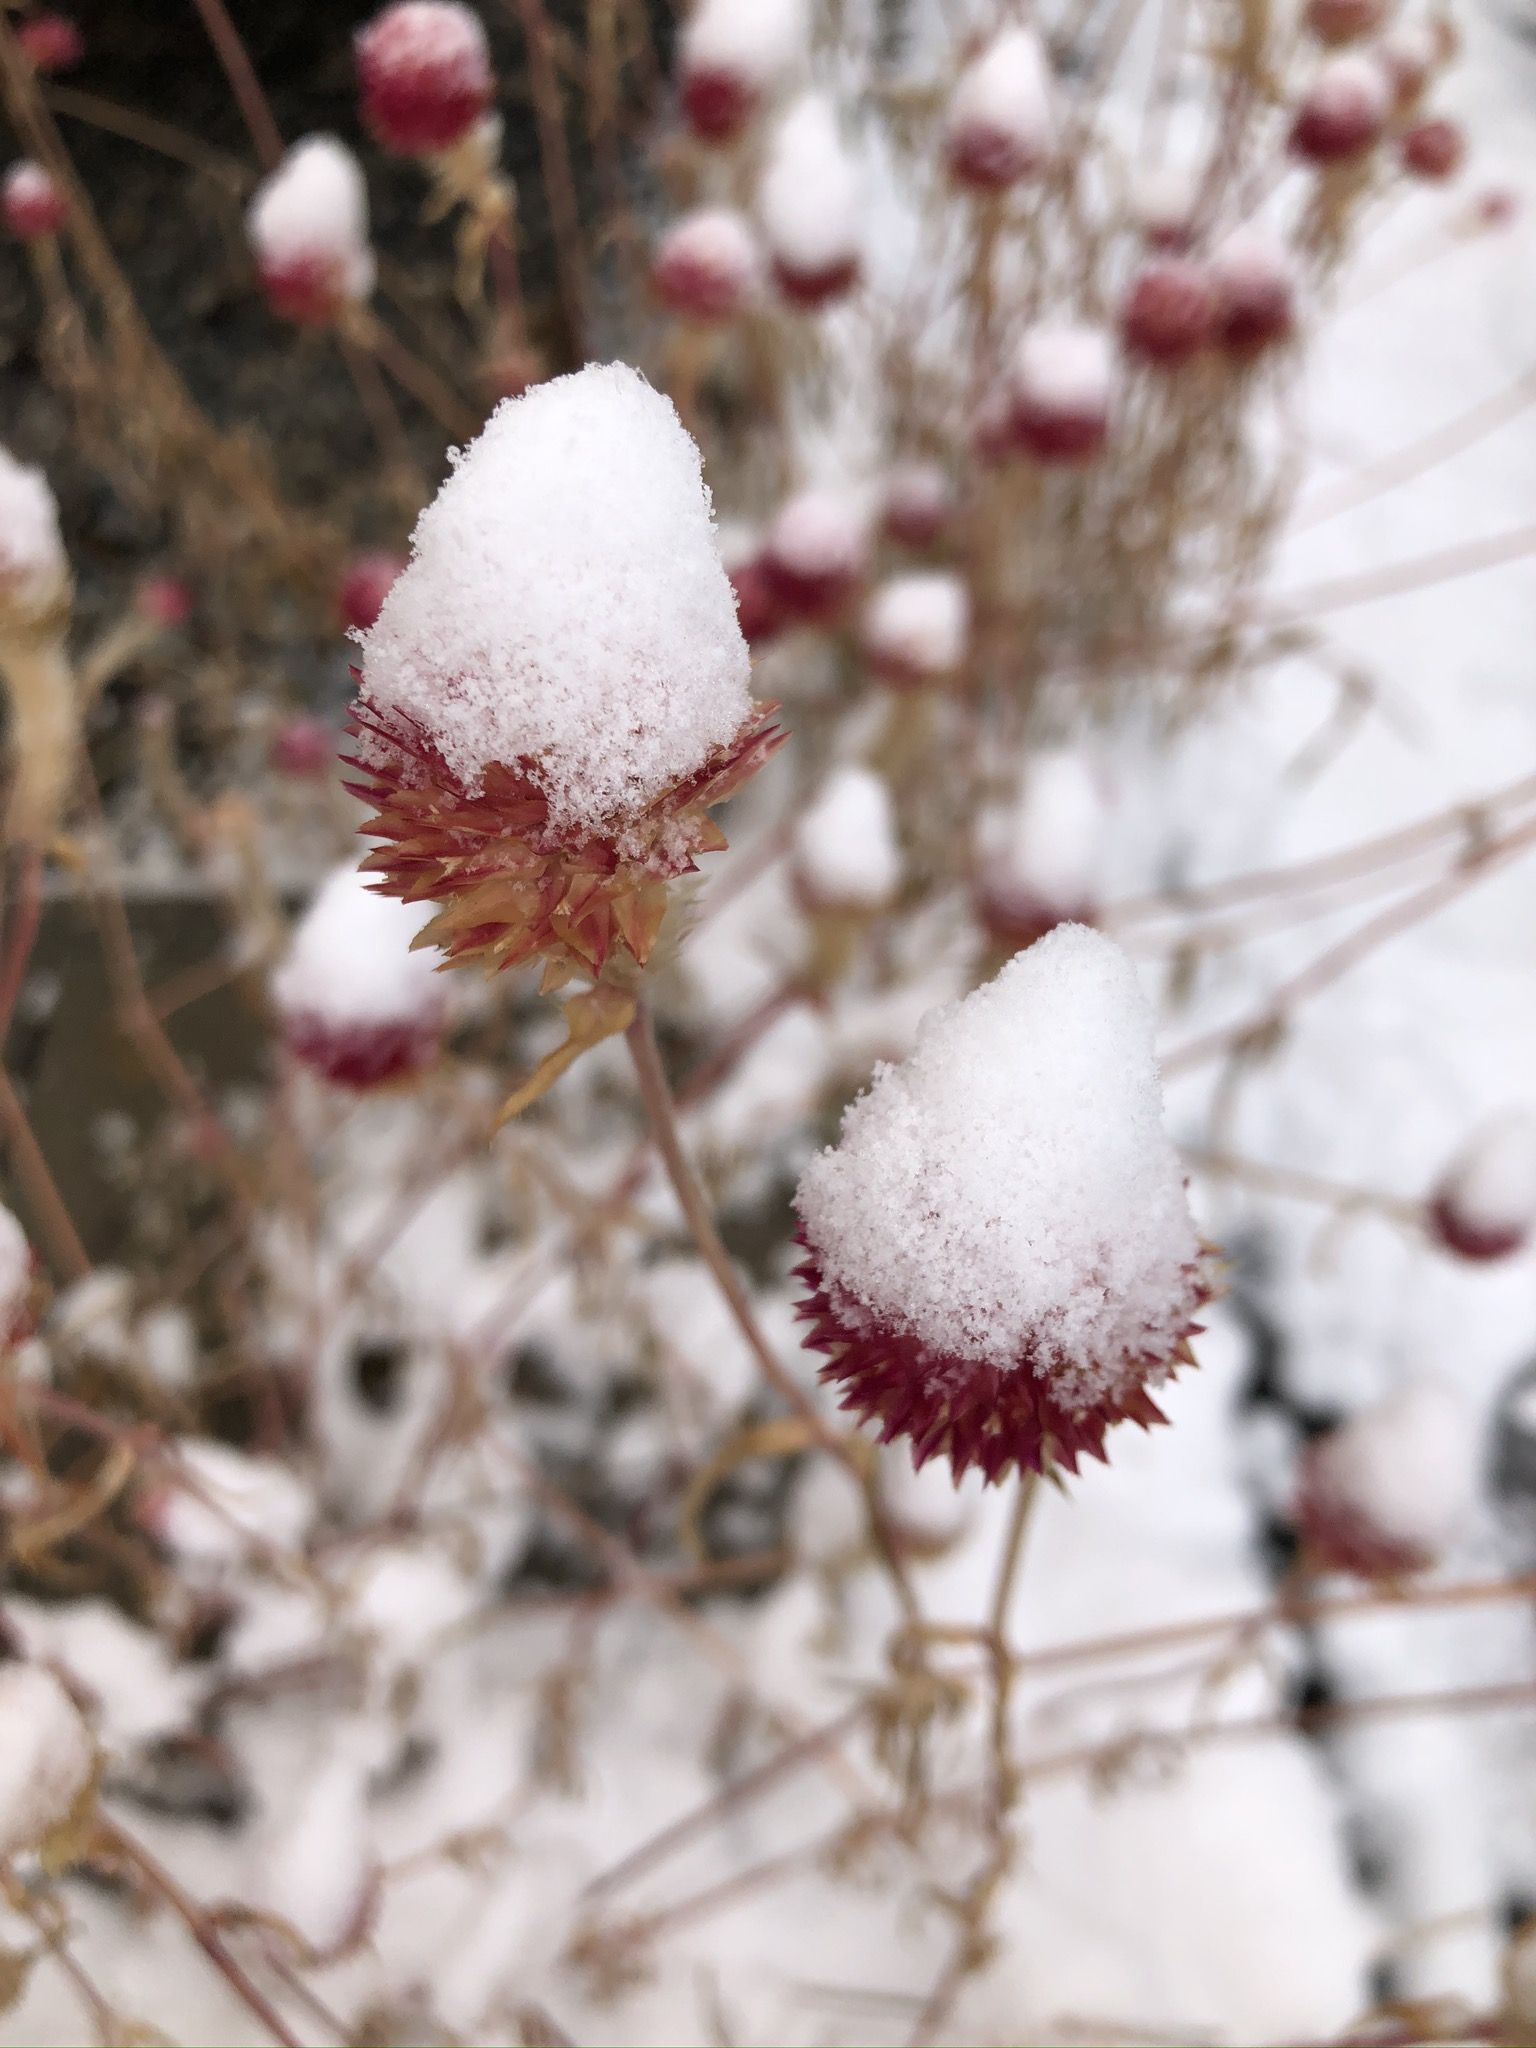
(51, 43)
(915, 628)
(706, 266)
(1343, 111)
(1255, 281)
(30, 202)
(1485, 1204)
(1433, 148)
(918, 505)
(815, 555)
(733, 54)
(1387, 1491)
(1169, 311)
(810, 203)
(1060, 389)
(1038, 859)
(555, 693)
(999, 1254)
(308, 226)
(424, 75)
(1001, 125)
(356, 1003)
(366, 582)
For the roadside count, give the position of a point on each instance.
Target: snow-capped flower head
(915, 628)
(556, 690)
(365, 583)
(1409, 53)
(1038, 859)
(999, 1251)
(1001, 124)
(1485, 1204)
(34, 570)
(1343, 111)
(356, 1003)
(845, 855)
(917, 505)
(706, 265)
(1168, 314)
(1256, 286)
(732, 55)
(1433, 148)
(30, 202)
(51, 43)
(1388, 1490)
(810, 203)
(815, 554)
(18, 1273)
(1060, 389)
(47, 1758)
(308, 225)
(1164, 205)
(424, 75)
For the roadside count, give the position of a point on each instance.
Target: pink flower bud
(305, 749)
(165, 600)
(1433, 148)
(1001, 125)
(1344, 21)
(51, 43)
(308, 225)
(424, 75)
(1386, 1492)
(915, 628)
(706, 266)
(1061, 385)
(815, 555)
(1343, 112)
(1497, 207)
(733, 54)
(1485, 1204)
(1255, 282)
(810, 203)
(31, 202)
(1169, 312)
(367, 582)
(919, 505)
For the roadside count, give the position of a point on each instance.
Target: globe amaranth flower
(555, 693)
(999, 1255)
(1390, 1489)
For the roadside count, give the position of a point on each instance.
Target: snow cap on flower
(556, 689)
(34, 570)
(815, 553)
(1164, 205)
(917, 505)
(915, 627)
(733, 54)
(1255, 279)
(1388, 1490)
(810, 202)
(31, 202)
(424, 75)
(1000, 1253)
(16, 1274)
(1061, 386)
(46, 1756)
(1037, 859)
(308, 225)
(1344, 109)
(1485, 1204)
(357, 1004)
(845, 852)
(706, 265)
(1001, 125)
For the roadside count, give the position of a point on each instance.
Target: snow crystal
(758, 40)
(313, 209)
(845, 850)
(33, 565)
(918, 623)
(1044, 849)
(565, 604)
(15, 1272)
(810, 199)
(1006, 91)
(45, 1755)
(1407, 1467)
(1066, 369)
(1009, 1187)
(1491, 1184)
(350, 958)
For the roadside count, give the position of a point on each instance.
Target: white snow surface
(1407, 1466)
(819, 532)
(1491, 1183)
(565, 604)
(15, 1270)
(33, 567)
(1065, 368)
(1047, 846)
(45, 1755)
(314, 208)
(760, 41)
(350, 961)
(1009, 1187)
(846, 852)
(811, 194)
